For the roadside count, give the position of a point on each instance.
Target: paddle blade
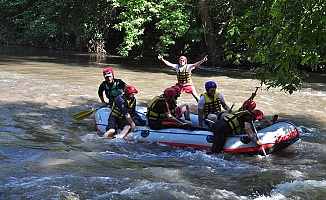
(82, 115)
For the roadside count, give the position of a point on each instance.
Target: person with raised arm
(184, 71)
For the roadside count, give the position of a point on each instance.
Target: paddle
(84, 114)
(262, 147)
(253, 94)
(232, 105)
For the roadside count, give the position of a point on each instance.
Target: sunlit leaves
(282, 35)
(171, 18)
(234, 30)
(133, 17)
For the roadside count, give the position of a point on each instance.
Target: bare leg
(185, 111)
(109, 133)
(124, 131)
(212, 117)
(224, 114)
(194, 93)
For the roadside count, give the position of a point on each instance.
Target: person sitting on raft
(159, 112)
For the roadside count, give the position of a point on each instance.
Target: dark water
(46, 154)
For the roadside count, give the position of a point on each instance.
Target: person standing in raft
(210, 103)
(238, 123)
(159, 112)
(112, 87)
(122, 113)
(183, 70)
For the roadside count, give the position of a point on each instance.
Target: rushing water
(46, 154)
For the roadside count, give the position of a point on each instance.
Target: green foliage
(281, 36)
(171, 20)
(67, 24)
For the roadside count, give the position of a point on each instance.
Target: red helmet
(129, 89)
(170, 92)
(177, 89)
(258, 114)
(248, 105)
(183, 58)
(108, 72)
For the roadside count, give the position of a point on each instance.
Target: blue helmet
(210, 84)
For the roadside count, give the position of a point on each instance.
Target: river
(46, 154)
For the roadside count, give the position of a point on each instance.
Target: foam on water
(308, 189)
(162, 190)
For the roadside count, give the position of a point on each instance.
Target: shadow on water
(36, 125)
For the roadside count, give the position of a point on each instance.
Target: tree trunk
(209, 39)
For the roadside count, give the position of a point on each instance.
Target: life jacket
(212, 106)
(129, 104)
(113, 91)
(153, 114)
(173, 106)
(183, 76)
(235, 123)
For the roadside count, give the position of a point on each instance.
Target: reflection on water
(45, 154)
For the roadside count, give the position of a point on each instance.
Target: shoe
(274, 119)
(188, 127)
(209, 152)
(212, 153)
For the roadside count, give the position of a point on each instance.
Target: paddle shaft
(232, 105)
(262, 147)
(254, 94)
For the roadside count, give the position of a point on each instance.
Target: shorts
(220, 128)
(114, 123)
(187, 88)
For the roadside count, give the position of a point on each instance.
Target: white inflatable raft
(275, 137)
